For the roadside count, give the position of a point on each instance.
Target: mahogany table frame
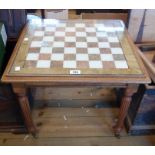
(21, 83)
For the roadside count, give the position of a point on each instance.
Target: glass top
(74, 47)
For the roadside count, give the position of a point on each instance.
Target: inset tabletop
(71, 47)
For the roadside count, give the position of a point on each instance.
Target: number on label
(76, 72)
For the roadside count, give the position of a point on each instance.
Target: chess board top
(88, 48)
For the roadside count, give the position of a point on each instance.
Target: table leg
(125, 103)
(21, 94)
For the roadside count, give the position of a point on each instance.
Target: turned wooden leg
(125, 103)
(21, 94)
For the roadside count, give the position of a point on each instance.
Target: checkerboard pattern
(76, 46)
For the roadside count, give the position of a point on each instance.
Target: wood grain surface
(88, 126)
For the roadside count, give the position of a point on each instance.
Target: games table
(75, 53)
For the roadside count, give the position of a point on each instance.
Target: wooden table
(75, 53)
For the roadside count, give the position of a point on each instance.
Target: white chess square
(92, 39)
(95, 64)
(46, 50)
(70, 29)
(43, 64)
(69, 50)
(70, 39)
(113, 39)
(80, 25)
(36, 22)
(109, 29)
(59, 34)
(90, 29)
(101, 34)
(81, 34)
(58, 44)
(103, 45)
(82, 57)
(50, 29)
(36, 44)
(69, 64)
(116, 51)
(107, 57)
(81, 44)
(93, 51)
(39, 33)
(62, 25)
(48, 38)
(57, 57)
(32, 56)
(100, 27)
(97, 25)
(121, 64)
(51, 22)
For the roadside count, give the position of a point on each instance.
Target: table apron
(101, 85)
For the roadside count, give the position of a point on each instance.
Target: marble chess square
(81, 34)
(46, 50)
(45, 56)
(121, 64)
(39, 33)
(62, 25)
(116, 51)
(69, 64)
(43, 64)
(70, 29)
(50, 29)
(48, 38)
(93, 51)
(82, 57)
(92, 39)
(70, 39)
(70, 50)
(113, 39)
(107, 57)
(101, 34)
(90, 29)
(58, 44)
(95, 64)
(103, 45)
(57, 57)
(81, 44)
(32, 56)
(59, 34)
(36, 44)
(79, 25)
(69, 56)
